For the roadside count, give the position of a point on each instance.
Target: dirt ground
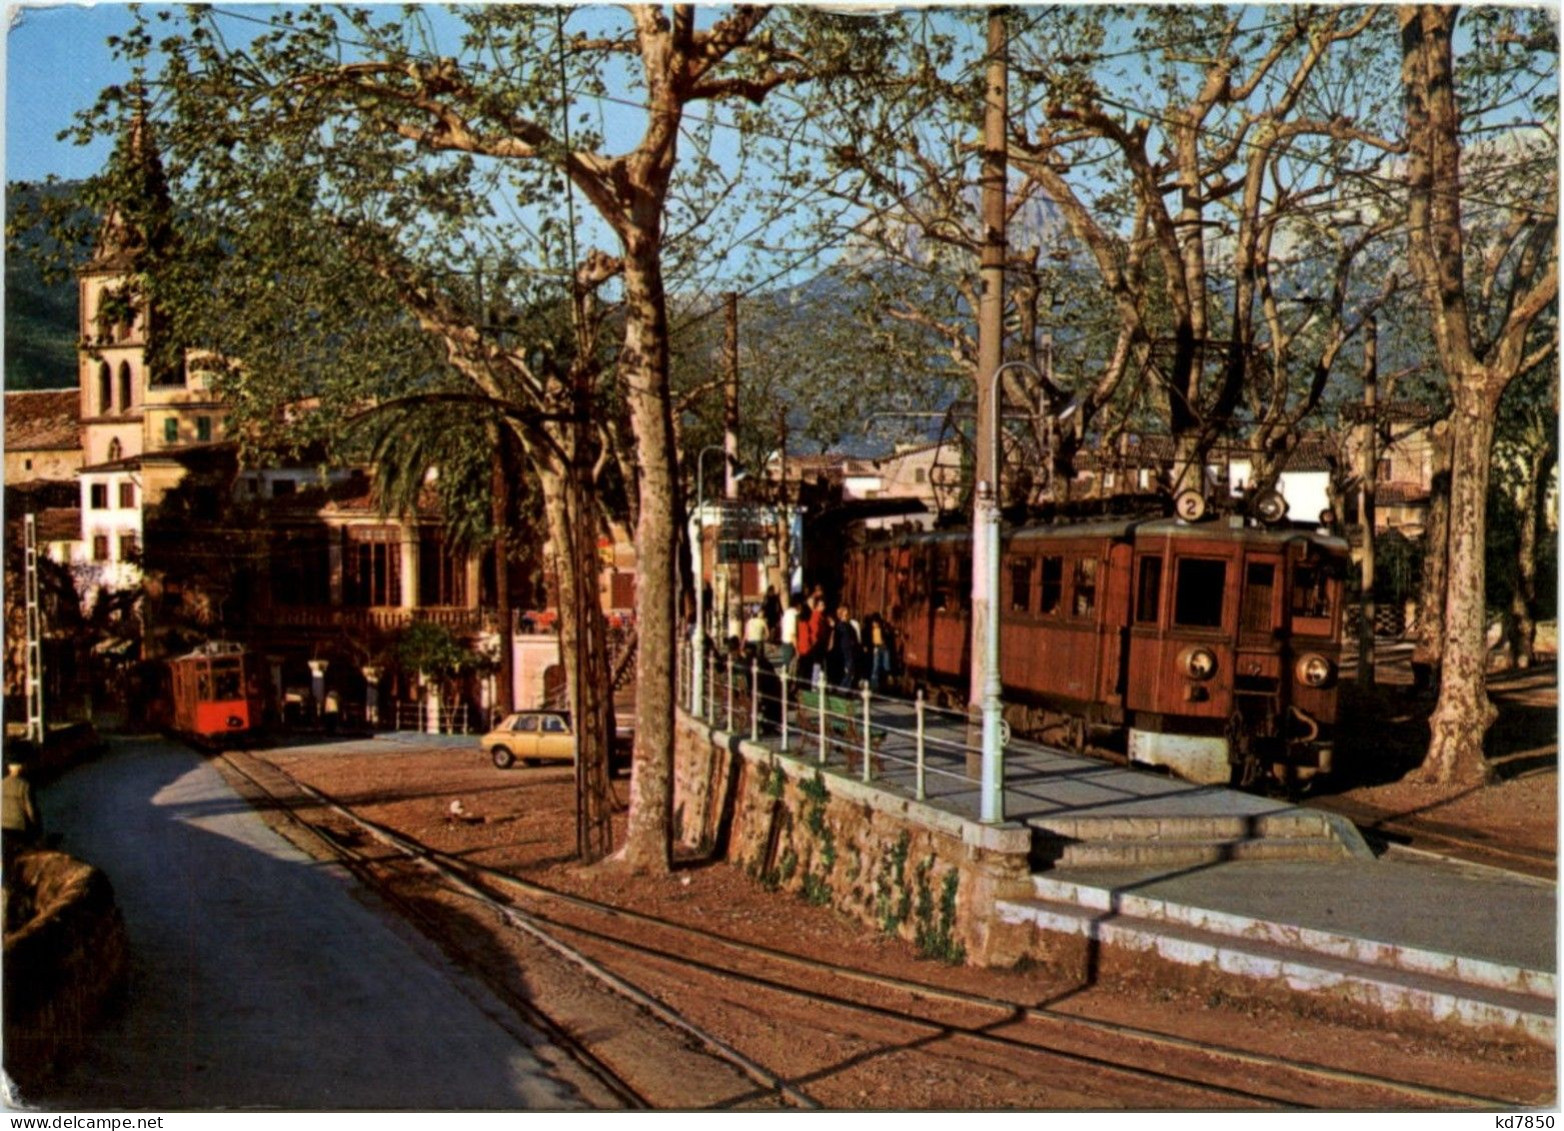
(522, 823)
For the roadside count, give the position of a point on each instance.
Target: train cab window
(1051, 586)
(204, 686)
(1199, 590)
(1085, 599)
(225, 680)
(1310, 592)
(1020, 585)
(1259, 585)
(1148, 591)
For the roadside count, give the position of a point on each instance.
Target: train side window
(204, 686)
(1148, 590)
(1259, 585)
(1201, 585)
(226, 680)
(1020, 585)
(1051, 585)
(1085, 587)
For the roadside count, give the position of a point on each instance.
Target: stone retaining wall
(901, 866)
(64, 959)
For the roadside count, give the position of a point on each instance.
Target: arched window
(114, 449)
(124, 386)
(105, 389)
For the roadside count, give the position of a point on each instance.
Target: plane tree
(1481, 177)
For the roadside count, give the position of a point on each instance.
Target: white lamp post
(985, 608)
(698, 556)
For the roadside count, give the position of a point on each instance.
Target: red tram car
(211, 695)
(1209, 649)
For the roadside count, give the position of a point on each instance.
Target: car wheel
(502, 757)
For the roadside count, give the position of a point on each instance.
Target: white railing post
(754, 699)
(867, 745)
(820, 703)
(730, 692)
(920, 790)
(783, 674)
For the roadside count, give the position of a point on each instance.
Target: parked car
(536, 736)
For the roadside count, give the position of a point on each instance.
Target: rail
(868, 734)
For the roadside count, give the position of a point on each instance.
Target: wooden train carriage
(1205, 648)
(215, 693)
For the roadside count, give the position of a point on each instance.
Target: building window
(300, 568)
(127, 496)
(100, 547)
(171, 430)
(203, 428)
(124, 386)
(372, 568)
(442, 574)
(281, 487)
(920, 475)
(127, 547)
(99, 496)
(105, 389)
(115, 451)
(27, 465)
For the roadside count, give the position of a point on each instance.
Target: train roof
(1126, 529)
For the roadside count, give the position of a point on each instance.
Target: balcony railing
(379, 619)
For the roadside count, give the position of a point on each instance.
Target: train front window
(1200, 589)
(1148, 591)
(1052, 585)
(225, 681)
(1020, 585)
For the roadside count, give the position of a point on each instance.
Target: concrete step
(1283, 823)
(1378, 975)
(1136, 853)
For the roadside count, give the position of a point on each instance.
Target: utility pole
(1366, 609)
(991, 330)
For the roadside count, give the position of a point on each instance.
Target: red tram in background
(212, 695)
(1210, 649)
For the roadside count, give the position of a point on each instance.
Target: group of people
(845, 649)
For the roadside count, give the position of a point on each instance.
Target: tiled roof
(36, 420)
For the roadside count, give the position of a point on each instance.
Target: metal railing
(430, 719)
(869, 735)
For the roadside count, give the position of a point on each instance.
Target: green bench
(844, 719)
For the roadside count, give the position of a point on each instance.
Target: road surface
(262, 979)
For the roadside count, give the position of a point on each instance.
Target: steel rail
(1305, 1071)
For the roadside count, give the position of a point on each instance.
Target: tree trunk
(1428, 648)
(1528, 508)
(583, 645)
(644, 370)
(1464, 713)
(506, 692)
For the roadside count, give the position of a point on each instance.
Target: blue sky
(56, 62)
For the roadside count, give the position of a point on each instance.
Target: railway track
(1425, 835)
(862, 1012)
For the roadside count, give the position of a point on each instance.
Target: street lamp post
(985, 607)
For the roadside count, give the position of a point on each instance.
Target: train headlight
(1197, 663)
(1314, 670)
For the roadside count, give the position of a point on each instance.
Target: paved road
(263, 979)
